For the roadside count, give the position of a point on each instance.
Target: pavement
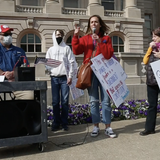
(77, 144)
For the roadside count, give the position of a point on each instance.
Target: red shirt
(85, 45)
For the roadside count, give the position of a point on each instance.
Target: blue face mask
(7, 40)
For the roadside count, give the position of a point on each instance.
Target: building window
(31, 43)
(30, 2)
(118, 44)
(71, 3)
(108, 4)
(69, 41)
(112, 4)
(148, 23)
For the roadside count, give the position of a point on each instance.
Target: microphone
(24, 61)
(93, 30)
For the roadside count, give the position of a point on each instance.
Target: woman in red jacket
(92, 44)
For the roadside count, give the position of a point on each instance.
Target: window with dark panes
(118, 44)
(148, 23)
(113, 4)
(31, 43)
(108, 4)
(71, 3)
(69, 41)
(30, 2)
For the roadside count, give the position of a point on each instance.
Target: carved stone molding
(117, 25)
(30, 22)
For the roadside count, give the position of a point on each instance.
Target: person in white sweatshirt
(60, 81)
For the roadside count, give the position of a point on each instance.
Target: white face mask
(7, 40)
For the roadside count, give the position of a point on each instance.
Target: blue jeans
(60, 93)
(93, 92)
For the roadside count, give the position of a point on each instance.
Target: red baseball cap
(5, 28)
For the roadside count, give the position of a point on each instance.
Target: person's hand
(152, 44)
(156, 54)
(69, 81)
(8, 75)
(76, 31)
(96, 37)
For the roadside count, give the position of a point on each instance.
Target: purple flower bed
(80, 113)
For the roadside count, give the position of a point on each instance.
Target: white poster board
(2, 78)
(112, 77)
(75, 92)
(156, 70)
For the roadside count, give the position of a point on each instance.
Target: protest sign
(112, 77)
(75, 92)
(156, 70)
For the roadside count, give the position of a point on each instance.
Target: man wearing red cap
(11, 57)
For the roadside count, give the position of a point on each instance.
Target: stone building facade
(130, 22)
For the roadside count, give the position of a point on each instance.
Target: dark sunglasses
(6, 34)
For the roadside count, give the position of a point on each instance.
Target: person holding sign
(92, 44)
(59, 80)
(152, 86)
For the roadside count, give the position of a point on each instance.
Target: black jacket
(151, 80)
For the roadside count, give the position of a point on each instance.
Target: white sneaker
(95, 131)
(109, 132)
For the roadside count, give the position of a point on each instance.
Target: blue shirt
(9, 58)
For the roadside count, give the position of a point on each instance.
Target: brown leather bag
(84, 76)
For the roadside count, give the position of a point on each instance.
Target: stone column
(130, 3)
(94, 7)
(18, 2)
(131, 10)
(93, 2)
(52, 6)
(61, 2)
(7, 6)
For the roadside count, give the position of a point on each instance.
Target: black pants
(152, 93)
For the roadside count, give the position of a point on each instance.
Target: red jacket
(85, 45)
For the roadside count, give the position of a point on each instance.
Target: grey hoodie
(57, 52)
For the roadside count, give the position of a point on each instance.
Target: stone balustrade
(29, 9)
(112, 13)
(74, 11)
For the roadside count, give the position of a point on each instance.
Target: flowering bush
(80, 113)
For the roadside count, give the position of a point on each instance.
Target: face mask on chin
(7, 40)
(59, 40)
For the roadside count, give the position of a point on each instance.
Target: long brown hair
(103, 29)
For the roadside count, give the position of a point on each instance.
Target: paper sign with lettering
(75, 92)
(112, 77)
(2, 78)
(156, 70)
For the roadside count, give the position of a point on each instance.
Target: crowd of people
(95, 42)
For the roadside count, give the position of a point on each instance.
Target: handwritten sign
(156, 70)
(75, 92)
(2, 78)
(112, 77)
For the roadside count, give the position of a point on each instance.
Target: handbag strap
(94, 51)
(93, 54)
